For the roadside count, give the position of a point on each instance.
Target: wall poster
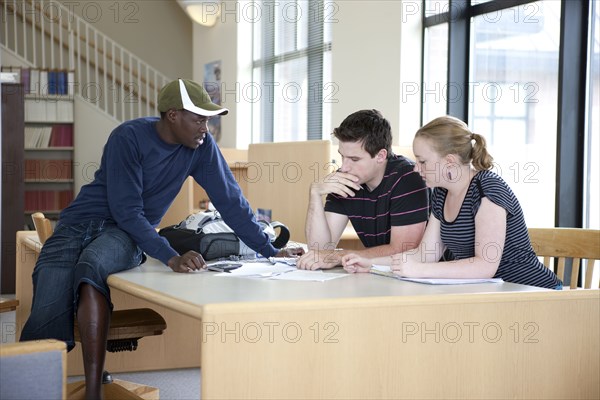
(212, 84)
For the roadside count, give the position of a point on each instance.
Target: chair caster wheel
(106, 377)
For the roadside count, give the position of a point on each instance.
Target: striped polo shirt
(400, 199)
(518, 262)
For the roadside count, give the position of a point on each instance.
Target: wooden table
(366, 336)
(357, 337)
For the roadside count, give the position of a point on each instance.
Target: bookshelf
(48, 157)
(12, 181)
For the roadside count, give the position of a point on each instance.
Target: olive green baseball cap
(185, 94)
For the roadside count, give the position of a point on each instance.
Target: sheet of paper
(286, 260)
(260, 270)
(387, 271)
(301, 275)
(431, 281)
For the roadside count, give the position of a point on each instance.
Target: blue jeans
(75, 254)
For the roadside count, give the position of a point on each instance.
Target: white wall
(157, 31)
(91, 131)
(376, 48)
(219, 43)
(366, 59)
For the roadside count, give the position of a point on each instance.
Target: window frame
(572, 82)
(314, 54)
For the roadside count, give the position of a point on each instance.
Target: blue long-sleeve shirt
(139, 177)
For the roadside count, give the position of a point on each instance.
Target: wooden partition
(279, 177)
(276, 176)
(405, 151)
(465, 346)
(191, 195)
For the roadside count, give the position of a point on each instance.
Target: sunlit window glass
(592, 149)
(291, 50)
(434, 89)
(513, 99)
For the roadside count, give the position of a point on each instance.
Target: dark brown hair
(368, 127)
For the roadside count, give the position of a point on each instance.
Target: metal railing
(48, 36)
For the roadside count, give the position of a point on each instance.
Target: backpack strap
(283, 237)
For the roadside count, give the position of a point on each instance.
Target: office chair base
(119, 389)
(106, 378)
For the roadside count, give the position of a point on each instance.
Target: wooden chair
(7, 305)
(33, 370)
(126, 328)
(564, 243)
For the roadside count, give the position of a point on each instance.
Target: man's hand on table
(188, 262)
(319, 259)
(290, 251)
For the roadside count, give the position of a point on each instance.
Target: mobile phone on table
(223, 267)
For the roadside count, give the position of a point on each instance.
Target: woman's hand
(404, 266)
(354, 263)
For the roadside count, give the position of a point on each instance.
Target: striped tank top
(518, 263)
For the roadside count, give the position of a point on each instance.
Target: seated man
(381, 194)
(112, 222)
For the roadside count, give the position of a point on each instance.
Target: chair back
(568, 243)
(43, 226)
(33, 370)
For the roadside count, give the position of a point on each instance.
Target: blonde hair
(449, 135)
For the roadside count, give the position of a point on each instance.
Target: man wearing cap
(111, 223)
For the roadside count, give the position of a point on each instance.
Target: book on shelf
(53, 109)
(61, 82)
(47, 200)
(44, 82)
(62, 135)
(52, 82)
(10, 74)
(34, 81)
(70, 83)
(33, 135)
(48, 136)
(25, 79)
(64, 111)
(57, 82)
(48, 170)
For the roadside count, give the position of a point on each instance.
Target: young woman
(475, 216)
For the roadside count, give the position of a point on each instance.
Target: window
(510, 74)
(291, 62)
(592, 142)
(513, 89)
(435, 72)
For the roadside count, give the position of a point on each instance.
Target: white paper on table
(387, 271)
(441, 281)
(259, 270)
(286, 260)
(301, 275)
